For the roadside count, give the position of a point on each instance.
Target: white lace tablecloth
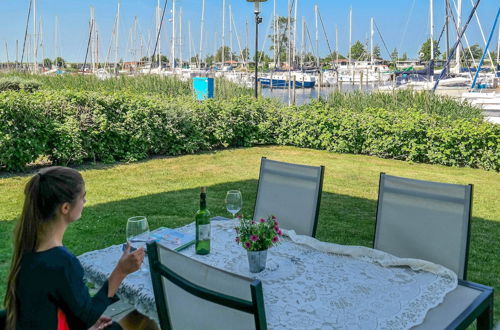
(307, 284)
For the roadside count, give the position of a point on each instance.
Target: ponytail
(44, 193)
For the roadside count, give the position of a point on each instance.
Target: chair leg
(485, 320)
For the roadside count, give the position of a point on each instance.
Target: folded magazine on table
(172, 238)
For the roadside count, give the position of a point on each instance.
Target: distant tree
(60, 62)
(476, 51)
(404, 57)
(47, 62)
(245, 54)
(494, 57)
(194, 59)
(227, 54)
(376, 52)
(282, 37)
(332, 57)
(394, 55)
(209, 60)
(358, 51)
(425, 50)
(263, 57)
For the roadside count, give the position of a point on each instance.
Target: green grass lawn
(166, 191)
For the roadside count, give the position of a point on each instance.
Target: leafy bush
(70, 127)
(14, 83)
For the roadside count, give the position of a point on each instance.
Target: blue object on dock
(203, 88)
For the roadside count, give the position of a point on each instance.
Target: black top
(53, 279)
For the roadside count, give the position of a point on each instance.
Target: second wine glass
(234, 201)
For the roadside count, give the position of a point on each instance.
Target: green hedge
(72, 127)
(13, 83)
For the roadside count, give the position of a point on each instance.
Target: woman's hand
(130, 261)
(103, 322)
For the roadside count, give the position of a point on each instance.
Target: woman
(45, 288)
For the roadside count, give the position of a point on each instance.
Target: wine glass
(233, 201)
(138, 233)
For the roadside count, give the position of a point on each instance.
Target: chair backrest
(192, 295)
(424, 220)
(292, 193)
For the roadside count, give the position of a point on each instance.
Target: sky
(403, 24)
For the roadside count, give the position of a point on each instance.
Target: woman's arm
(72, 294)
(128, 263)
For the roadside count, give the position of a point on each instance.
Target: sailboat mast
(35, 41)
(350, 35)
(158, 32)
(371, 42)
(180, 36)
(92, 42)
(40, 29)
(289, 53)
(231, 33)
(223, 31)
(246, 42)
(303, 42)
(498, 47)
(117, 30)
(295, 31)
(317, 35)
(189, 41)
(431, 14)
(202, 30)
(459, 22)
(337, 43)
(447, 21)
(172, 49)
(275, 31)
(484, 39)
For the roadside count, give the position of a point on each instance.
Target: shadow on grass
(343, 219)
(90, 165)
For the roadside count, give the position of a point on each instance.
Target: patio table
(309, 284)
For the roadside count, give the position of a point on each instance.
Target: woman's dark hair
(44, 193)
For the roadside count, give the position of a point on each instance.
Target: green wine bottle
(203, 225)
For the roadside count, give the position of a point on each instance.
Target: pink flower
(262, 220)
(276, 228)
(254, 238)
(275, 239)
(273, 217)
(238, 216)
(280, 232)
(237, 239)
(248, 245)
(253, 222)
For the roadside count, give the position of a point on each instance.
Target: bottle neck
(203, 201)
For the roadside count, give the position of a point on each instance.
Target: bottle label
(204, 232)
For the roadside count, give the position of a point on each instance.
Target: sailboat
(281, 80)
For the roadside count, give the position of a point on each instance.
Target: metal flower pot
(257, 260)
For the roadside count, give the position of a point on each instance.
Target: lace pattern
(307, 283)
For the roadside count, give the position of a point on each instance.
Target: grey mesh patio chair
(431, 221)
(424, 220)
(292, 193)
(192, 295)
